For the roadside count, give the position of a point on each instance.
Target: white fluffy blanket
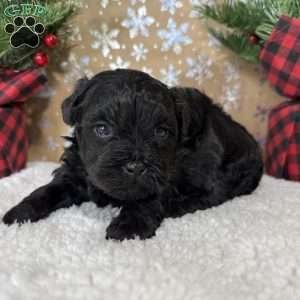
(248, 248)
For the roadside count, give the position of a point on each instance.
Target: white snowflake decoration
(138, 22)
(52, 144)
(134, 2)
(194, 13)
(230, 97)
(82, 3)
(231, 72)
(119, 64)
(104, 3)
(105, 39)
(199, 67)
(170, 75)
(170, 5)
(174, 37)
(139, 52)
(75, 35)
(232, 87)
(213, 42)
(76, 67)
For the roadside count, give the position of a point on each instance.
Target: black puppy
(154, 151)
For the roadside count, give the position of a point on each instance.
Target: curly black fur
(154, 151)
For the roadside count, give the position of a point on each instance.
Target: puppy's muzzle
(134, 168)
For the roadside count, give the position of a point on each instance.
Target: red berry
(40, 59)
(253, 39)
(50, 40)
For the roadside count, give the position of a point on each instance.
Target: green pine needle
(243, 18)
(239, 44)
(55, 21)
(235, 14)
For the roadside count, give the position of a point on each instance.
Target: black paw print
(24, 32)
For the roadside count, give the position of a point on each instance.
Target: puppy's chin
(126, 189)
(129, 195)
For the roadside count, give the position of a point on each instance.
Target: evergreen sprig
(240, 19)
(239, 44)
(235, 14)
(54, 21)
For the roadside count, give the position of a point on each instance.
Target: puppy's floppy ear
(71, 105)
(191, 107)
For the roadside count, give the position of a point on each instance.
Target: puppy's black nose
(134, 168)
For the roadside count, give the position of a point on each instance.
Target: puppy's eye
(161, 133)
(103, 131)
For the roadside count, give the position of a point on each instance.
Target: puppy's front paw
(122, 228)
(21, 213)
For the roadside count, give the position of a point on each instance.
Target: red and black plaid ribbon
(283, 141)
(280, 57)
(15, 89)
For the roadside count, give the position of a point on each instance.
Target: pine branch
(239, 44)
(58, 13)
(274, 10)
(243, 18)
(247, 16)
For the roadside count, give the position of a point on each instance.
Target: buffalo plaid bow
(283, 141)
(15, 89)
(280, 57)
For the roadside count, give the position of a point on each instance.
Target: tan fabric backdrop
(162, 37)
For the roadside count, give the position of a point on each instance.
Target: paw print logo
(24, 32)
